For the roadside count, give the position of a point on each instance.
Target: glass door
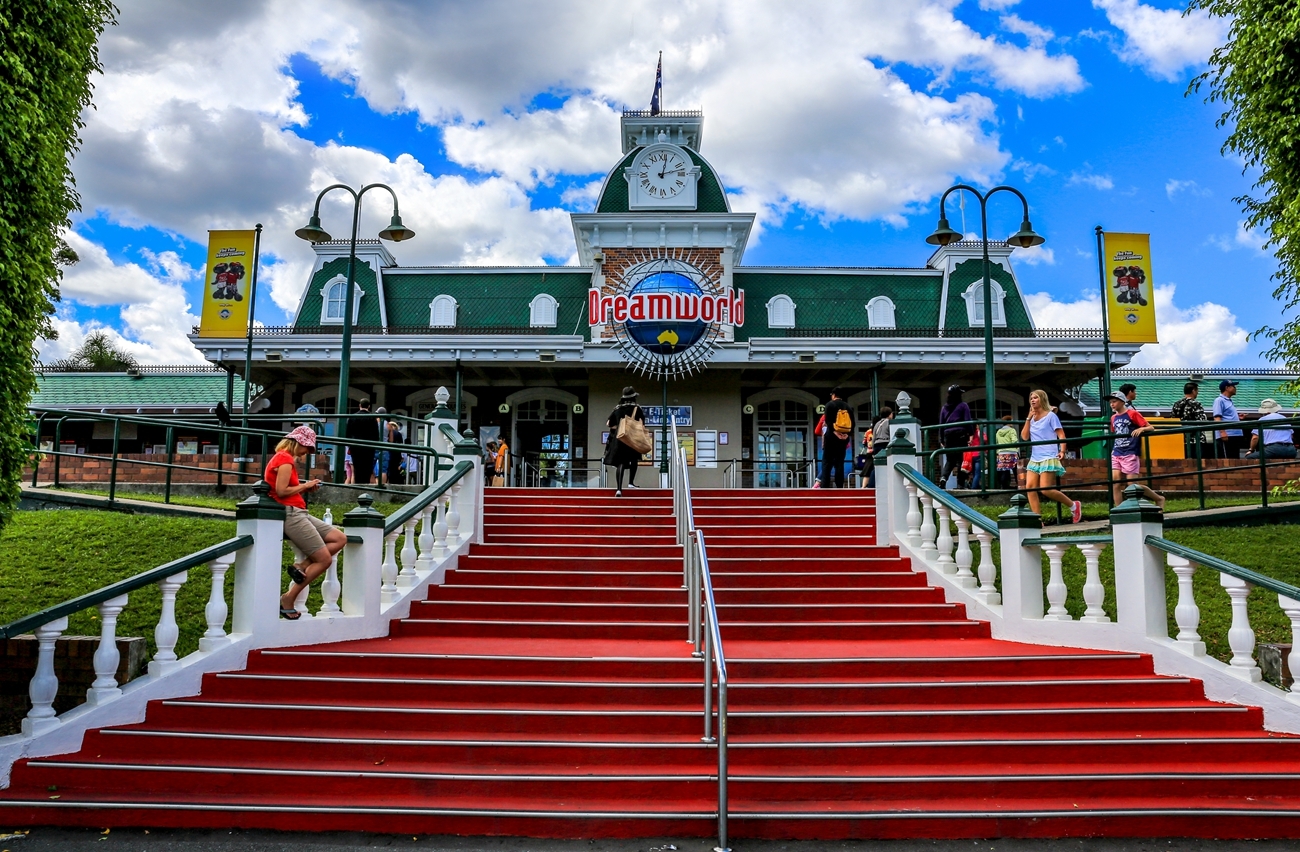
(781, 431)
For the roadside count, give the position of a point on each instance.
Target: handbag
(633, 433)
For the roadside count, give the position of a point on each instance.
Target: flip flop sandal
(290, 614)
(295, 574)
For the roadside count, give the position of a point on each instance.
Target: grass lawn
(1099, 510)
(228, 503)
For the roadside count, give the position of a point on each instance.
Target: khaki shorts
(306, 531)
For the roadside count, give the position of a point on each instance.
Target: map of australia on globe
(666, 337)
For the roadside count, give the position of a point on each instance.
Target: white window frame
(443, 299)
(775, 306)
(881, 303)
(974, 298)
(357, 293)
(543, 311)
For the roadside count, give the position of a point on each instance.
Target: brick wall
(619, 260)
(96, 469)
(74, 663)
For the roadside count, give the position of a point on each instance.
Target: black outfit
(956, 439)
(363, 458)
(618, 454)
(1189, 410)
(833, 446)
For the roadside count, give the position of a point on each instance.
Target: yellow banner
(1130, 290)
(225, 284)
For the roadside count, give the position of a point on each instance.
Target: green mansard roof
(830, 300)
(967, 273)
(710, 196)
(490, 299)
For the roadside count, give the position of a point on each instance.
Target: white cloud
(1035, 256)
(1204, 335)
(1036, 34)
(582, 198)
(1030, 169)
(997, 5)
(1244, 238)
(1096, 181)
(1174, 187)
(1163, 42)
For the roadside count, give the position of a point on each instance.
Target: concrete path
(52, 498)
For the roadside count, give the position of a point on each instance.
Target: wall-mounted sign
(654, 414)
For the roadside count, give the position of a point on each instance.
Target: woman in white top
(1045, 466)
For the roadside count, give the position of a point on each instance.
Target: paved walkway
(53, 498)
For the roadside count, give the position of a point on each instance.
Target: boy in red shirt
(1127, 425)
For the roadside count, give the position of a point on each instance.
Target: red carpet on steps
(548, 690)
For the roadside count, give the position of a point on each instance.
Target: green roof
(967, 273)
(81, 390)
(368, 315)
(710, 196)
(1163, 391)
(490, 299)
(825, 300)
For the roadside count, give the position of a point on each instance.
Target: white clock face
(661, 174)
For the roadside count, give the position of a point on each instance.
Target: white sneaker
(618, 493)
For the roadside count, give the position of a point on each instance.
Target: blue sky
(840, 128)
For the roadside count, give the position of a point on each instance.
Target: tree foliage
(47, 54)
(1256, 77)
(96, 354)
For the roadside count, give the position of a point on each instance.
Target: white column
(988, 572)
(216, 611)
(1094, 593)
(892, 486)
(107, 657)
(388, 573)
(424, 562)
(259, 570)
(440, 529)
(1140, 605)
(1022, 567)
(363, 562)
(44, 687)
(929, 552)
(406, 578)
(943, 541)
(913, 514)
(1187, 615)
(1241, 638)
(167, 632)
(453, 513)
(883, 507)
(1056, 590)
(964, 557)
(1291, 607)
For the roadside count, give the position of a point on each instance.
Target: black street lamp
(1024, 238)
(314, 233)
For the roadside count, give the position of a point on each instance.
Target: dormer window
(332, 301)
(780, 312)
(880, 313)
(442, 312)
(543, 311)
(974, 297)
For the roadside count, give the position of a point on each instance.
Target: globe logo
(667, 336)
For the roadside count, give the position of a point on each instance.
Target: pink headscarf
(303, 435)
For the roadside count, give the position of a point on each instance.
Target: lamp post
(1024, 238)
(314, 233)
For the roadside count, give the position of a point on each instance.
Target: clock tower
(661, 207)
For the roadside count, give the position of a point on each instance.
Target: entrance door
(543, 445)
(781, 431)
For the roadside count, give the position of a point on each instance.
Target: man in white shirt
(1279, 443)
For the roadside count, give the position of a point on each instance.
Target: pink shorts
(1127, 465)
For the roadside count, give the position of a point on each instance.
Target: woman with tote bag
(628, 439)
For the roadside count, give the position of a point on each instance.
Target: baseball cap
(1226, 383)
(1120, 396)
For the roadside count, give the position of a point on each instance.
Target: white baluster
(1094, 593)
(44, 687)
(424, 562)
(388, 570)
(1241, 639)
(167, 632)
(330, 587)
(929, 552)
(216, 611)
(406, 577)
(105, 688)
(440, 530)
(964, 557)
(943, 541)
(453, 517)
(300, 602)
(1056, 591)
(1187, 615)
(913, 515)
(1291, 607)
(988, 572)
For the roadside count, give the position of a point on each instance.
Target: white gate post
(1140, 604)
(259, 573)
(1022, 567)
(363, 562)
(469, 497)
(880, 461)
(900, 451)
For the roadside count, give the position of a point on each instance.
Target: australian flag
(659, 86)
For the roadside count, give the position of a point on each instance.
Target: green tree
(1256, 77)
(96, 354)
(47, 55)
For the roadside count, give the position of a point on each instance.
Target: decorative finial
(442, 395)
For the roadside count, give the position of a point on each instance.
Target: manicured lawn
(1099, 510)
(228, 503)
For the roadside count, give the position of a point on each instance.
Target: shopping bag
(633, 433)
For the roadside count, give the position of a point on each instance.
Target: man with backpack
(836, 440)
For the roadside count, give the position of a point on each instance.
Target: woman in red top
(311, 535)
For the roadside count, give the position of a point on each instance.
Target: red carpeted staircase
(548, 690)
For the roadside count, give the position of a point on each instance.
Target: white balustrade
(1241, 638)
(988, 572)
(424, 562)
(216, 611)
(929, 552)
(330, 587)
(107, 657)
(1187, 615)
(440, 549)
(44, 687)
(1056, 590)
(1094, 593)
(453, 517)
(964, 558)
(943, 541)
(913, 514)
(388, 569)
(407, 577)
(167, 632)
(1291, 607)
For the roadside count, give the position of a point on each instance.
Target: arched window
(880, 313)
(780, 312)
(974, 297)
(442, 312)
(331, 309)
(543, 311)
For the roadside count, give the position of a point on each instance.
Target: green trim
(259, 505)
(364, 277)
(1223, 567)
(399, 518)
(363, 516)
(966, 273)
(974, 518)
(1135, 510)
(879, 459)
(838, 300)
(901, 444)
(710, 196)
(1019, 517)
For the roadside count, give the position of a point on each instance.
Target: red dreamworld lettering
(593, 307)
(606, 305)
(660, 306)
(686, 306)
(636, 308)
(620, 309)
(708, 310)
(738, 308)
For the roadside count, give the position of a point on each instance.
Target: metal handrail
(418, 503)
(122, 587)
(954, 505)
(1224, 567)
